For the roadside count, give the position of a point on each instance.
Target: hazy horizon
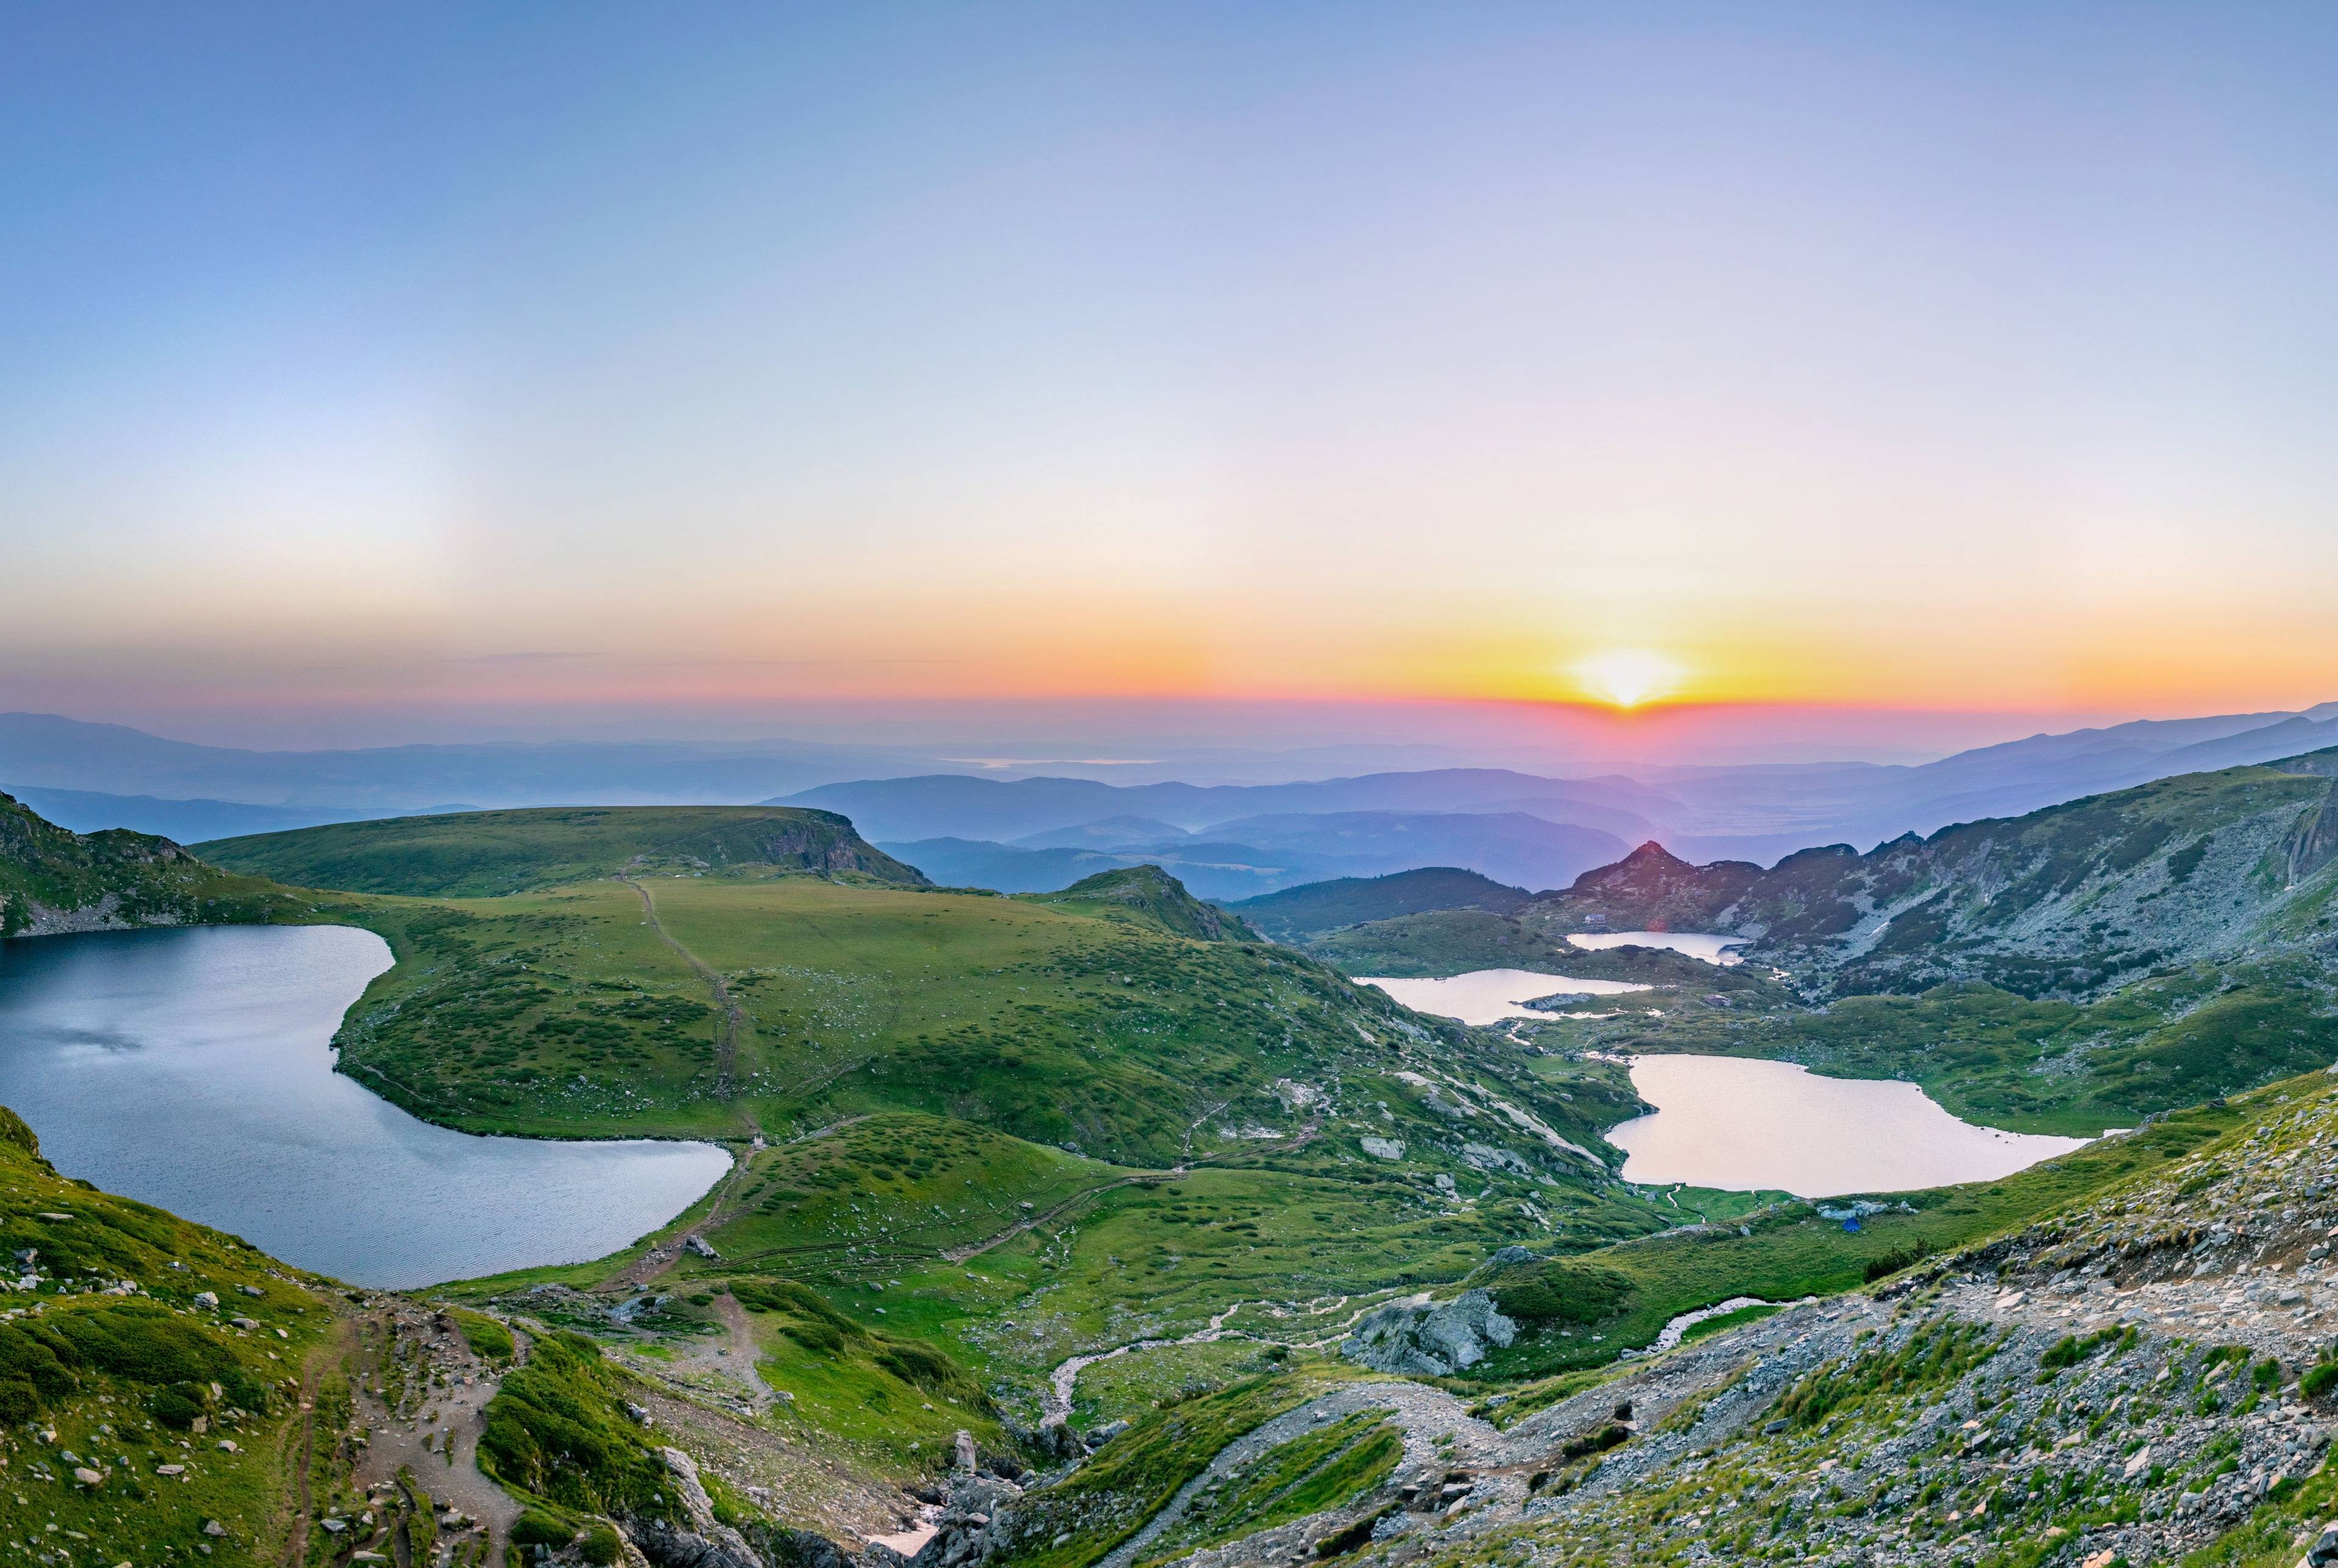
(1213, 742)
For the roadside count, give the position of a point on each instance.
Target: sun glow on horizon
(1628, 677)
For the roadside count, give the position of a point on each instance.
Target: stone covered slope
(485, 854)
(2071, 901)
(52, 880)
(2148, 1374)
(2141, 1377)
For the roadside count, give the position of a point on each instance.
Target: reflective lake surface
(1702, 944)
(192, 1069)
(1723, 1121)
(1490, 995)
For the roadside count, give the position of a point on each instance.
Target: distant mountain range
(2070, 901)
(965, 825)
(1299, 912)
(1255, 855)
(100, 763)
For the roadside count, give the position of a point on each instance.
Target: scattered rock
(1431, 1340)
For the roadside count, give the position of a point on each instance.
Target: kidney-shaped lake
(193, 1068)
(1748, 1125)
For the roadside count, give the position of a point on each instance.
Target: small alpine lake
(1709, 946)
(1744, 1124)
(192, 1069)
(1490, 995)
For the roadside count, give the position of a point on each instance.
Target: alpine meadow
(1169, 786)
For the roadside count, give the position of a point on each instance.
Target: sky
(1924, 373)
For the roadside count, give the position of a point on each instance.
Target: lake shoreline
(193, 1067)
(1744, 1123)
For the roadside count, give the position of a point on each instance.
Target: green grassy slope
(1015, 1255)
(1148, 896)
(54, 880)
(1193, 1119)
(197, 1366)
(481, 854)
(1059, 1022)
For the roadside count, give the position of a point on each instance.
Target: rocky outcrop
(664, 1544)
(971, 1525)
(53, 882)
(707, 1542)
(2069, 903)
(1432, 1340)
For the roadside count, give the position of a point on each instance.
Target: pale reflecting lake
(1713, 949)
(1726, 1121)
(1490, 995)
(192, 1069)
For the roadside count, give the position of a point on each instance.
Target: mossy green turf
(484, 854)
(118, 1381)
(556, 1435)
(892, 1400)
(1317, 1470)
(1109, 1498)
(125, 878)
(1132, 1386)
(880, 1216)
(563, 1012)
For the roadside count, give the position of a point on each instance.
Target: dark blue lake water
(192, 1069)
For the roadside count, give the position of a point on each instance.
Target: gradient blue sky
(444, 368)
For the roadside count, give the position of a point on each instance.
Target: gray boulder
(1430, 1339)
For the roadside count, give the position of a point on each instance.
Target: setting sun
(1627, 677)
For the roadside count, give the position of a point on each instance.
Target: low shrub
(538, 1527)
(1564, 1291)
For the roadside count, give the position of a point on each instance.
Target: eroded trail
(422, 1395)
(726, 1006)
(296, 1539)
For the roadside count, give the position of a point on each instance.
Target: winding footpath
(726, 1038)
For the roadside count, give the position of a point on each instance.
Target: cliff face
(54, 881)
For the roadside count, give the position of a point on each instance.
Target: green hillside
(1148, 896)
(141, 1342)
(566, 1012)
(1318, 907)
(482, 854)
(52, 880)
(980, 1135)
